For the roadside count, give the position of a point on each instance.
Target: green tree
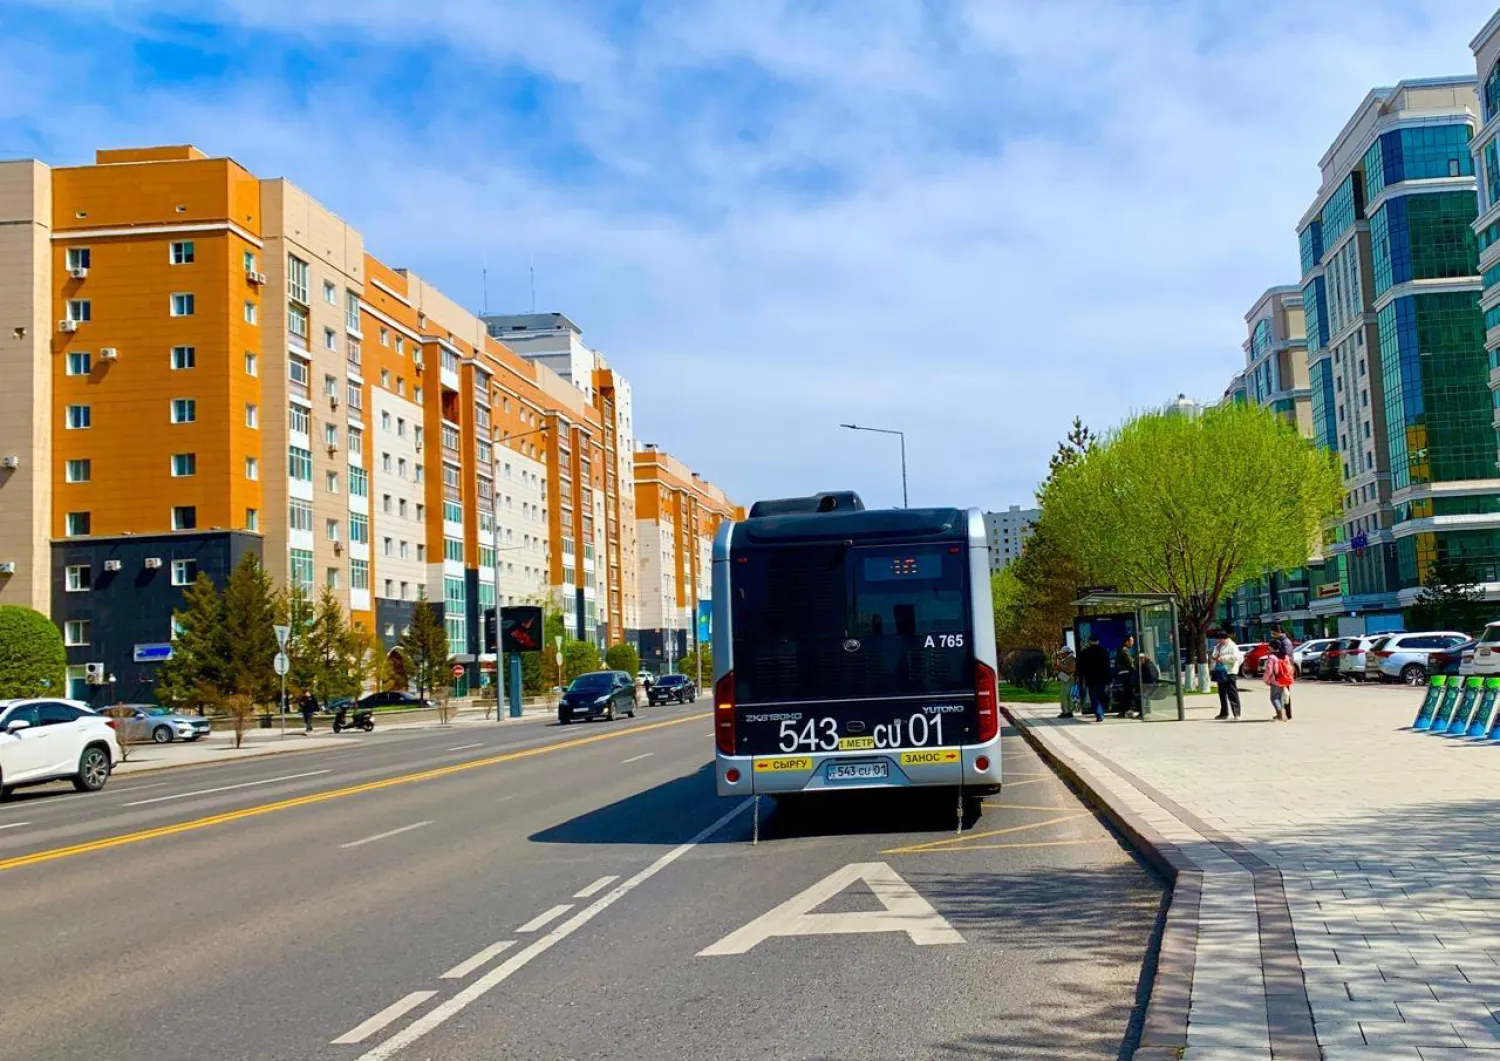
(425, 646)
(1072, 449)
(335, 651)
(579, 657)
(688, 664)
(1047, 579)
(249, 632)
(197, 673)
(297, 611)
(1193, 507)
(33, 661)
(1005, 599)
(623, 657)
(1451, 599)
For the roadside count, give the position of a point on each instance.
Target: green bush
(32, 659)
(623, 657)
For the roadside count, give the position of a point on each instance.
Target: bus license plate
(877, 771)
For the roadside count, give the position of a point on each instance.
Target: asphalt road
(556, 893)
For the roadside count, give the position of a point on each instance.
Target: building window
(400, 345)
(385, 378)
(331, 482)
(421, 553)
(80, 578)
(351, 311)
(78, 363)
(252, 519)
(296, 321)
(296, 281)
(77, 524)
(330, 293)
(356, 396)
(401, 507)
(401, 467)
(249, 261)
(330, 339)
(76, 632)
(79, 258)
(385, 503)
(252, 468)
(299, 464)
(405, 549)
(421, 511)
(184, 357)
(300, 515)
(182, 304)
(184, 464)
(332, 530)
(331, 386)
(252, 415)
(359, 574)
(252, 314)
(79, 310)
(386, 545)
(184, 572)
(401, 386)
(331, 436)
(385, 336)
(359, 482)
(400, 427)
(390, 586)
(453, 549)
(385, 462)
(182, 252)
(359, 528)
(184, 410)
(78, 471)
(385, 420)
(356, 440)
(184, 517)
(301, 573)
(298, 420)
(406, 591)
(252, 364)
(79, 417)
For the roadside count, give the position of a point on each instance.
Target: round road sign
(458, 670)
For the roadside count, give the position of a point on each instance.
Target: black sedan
(599, 694)
(673, 687)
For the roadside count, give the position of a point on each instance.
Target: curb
(1164, 1033)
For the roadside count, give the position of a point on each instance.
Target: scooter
(363, 718)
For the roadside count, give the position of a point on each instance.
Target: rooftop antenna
(532, 270)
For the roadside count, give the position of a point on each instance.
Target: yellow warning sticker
(927, 758)
(800, 762)
(853, 744)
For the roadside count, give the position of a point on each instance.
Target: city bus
(854, 649)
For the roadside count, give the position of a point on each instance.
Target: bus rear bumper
(973, 767)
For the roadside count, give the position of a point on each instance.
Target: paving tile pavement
(1380, 843)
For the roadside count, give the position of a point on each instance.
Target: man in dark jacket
(308, 705)
(1128, 678)
(1093, 675)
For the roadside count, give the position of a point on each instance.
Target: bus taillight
(724, 714)
(987, 698)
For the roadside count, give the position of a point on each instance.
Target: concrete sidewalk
(1333, 875)
(219, 746)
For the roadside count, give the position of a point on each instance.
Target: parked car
(597, 694)
(1352, 661)
(1307, 658)
(1407, 657)
(143, 722)
(1333, 655)
(673, 687)
(1487, 652)
(1252, 655)
(55, 740)
(393, 698)
(1455, 662)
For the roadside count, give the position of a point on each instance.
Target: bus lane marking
(905, 911)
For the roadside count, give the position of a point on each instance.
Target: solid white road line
(466, 747)
(595, 888)
(451, 1007)
(636, 758)
(464, 968)
(17, 825)
(545, 917)
(382, 836)
(395, 1011)
(225, 788)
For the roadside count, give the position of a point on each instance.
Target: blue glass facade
(1423, 237)
(1388, 235)
(1492, 93)
(1418, 153)
(1310, 241)
(1345, 207)
(1491, 174)
(1315, 313)
(1401, 364)
(1325, 424)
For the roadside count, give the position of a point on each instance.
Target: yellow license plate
(800, 762)
(927, 758)
(856, 744)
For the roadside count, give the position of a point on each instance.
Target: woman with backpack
(1279, 677)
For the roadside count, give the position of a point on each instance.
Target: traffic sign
(281, 664)
(282, 633)
(458, 670)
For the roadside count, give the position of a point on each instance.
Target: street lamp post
(899, 434)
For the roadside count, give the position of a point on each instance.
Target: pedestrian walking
(308, 705)
(1093, 675)
(1279, 677)
(1067, 672)
(1225, 673)
(1280, 637)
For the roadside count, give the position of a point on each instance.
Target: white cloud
(970, 225)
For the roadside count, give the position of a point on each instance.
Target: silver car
(142, 722)
(1404, 657)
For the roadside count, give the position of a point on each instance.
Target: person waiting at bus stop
(1093, 675)
(1127, 679)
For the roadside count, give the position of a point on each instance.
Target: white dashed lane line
(464, 968)
(595, 888)
(226, 788)
(17, 825)
(546, 917)
(466, 747)
(384, 835)
(637, 758)
(396, 1010)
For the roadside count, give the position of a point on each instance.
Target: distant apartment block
(1007, 531)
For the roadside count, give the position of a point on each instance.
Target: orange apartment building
(678, 512)
(196, 363)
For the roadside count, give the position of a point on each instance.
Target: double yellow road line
(320, 797)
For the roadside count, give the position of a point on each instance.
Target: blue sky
(970, 219)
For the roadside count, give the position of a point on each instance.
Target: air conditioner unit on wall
(94, 673)
(7, 567)
(153, 562)
(111, 565)
(254, 277)
(338, 548)
(333, 400)
(10, 463)
(67, 326)
(109, 353)
(78, 272)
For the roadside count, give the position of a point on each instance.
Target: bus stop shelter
(1152, 619)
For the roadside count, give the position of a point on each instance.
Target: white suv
(54, 740)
